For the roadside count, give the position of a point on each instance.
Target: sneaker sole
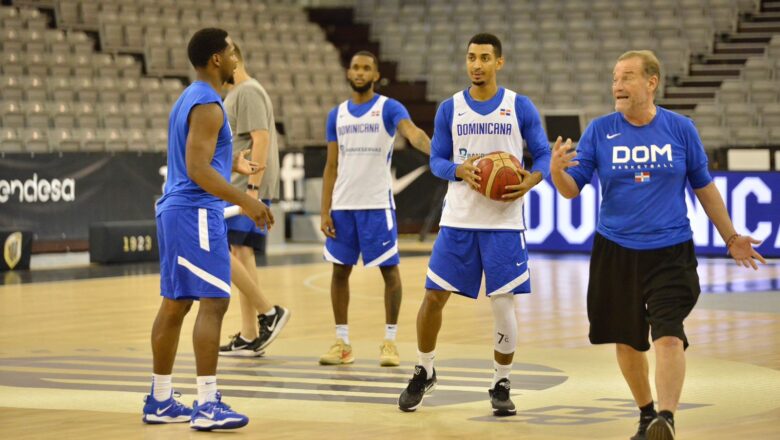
(152, 419)
(414, 408)
(279, 327)
(339, 362)
(242, 353)
(210, 425)
(389, 363)
(504, 412)
(657, 431)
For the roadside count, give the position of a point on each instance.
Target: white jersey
(475, 135)
(365, 150)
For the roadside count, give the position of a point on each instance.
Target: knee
(435, 300)
(175, 309)
(668, 342)
(341, 272)
(391, 275)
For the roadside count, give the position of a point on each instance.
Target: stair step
(746, 26)
(691, 89)
(722, 47)
(688, 95)
(702, 81)
(772, 6)
(725, 58)
(715, 70)
(750, 37)
(766, 17)
(682, 102)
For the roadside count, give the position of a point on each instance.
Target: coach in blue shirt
(643, 267)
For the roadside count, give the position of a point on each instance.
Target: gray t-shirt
(249, 108)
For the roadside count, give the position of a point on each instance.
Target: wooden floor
(75, 362)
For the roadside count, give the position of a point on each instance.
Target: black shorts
(631, 292)
(247, 238)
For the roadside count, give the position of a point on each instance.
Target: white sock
(271, 312)
(248, 341)
(161, 387)
(342, 332)
(207, 389)
(500, 372)
(391, 330)
(426, 360)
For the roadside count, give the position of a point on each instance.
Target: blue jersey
(643, 172)
(180, 190)
(393, 112)
(528, 120)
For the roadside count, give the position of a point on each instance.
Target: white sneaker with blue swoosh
(216, 415)
(167, 411)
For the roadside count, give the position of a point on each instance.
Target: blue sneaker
(216, 415)
(168, 411)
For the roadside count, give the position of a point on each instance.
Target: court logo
(12, 251)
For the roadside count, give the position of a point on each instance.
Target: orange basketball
(497, 170)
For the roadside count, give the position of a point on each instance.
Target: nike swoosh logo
(208, 415)
(272, 327)
(401, 183)
(612, 136)
(461, 114)
(384, 243)
(518, 264)
(162, 410)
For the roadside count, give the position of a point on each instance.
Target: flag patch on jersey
(641, 176)
(375, 112)
(505, 112)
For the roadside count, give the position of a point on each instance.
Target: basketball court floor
(75, 360)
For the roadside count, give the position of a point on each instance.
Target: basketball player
(643, 267)
(358, 210)
(194, 254)
(250, 113)
(478, 234)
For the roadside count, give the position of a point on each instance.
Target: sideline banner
(752, 199)
(57, 196)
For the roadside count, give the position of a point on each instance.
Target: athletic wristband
(252, 187)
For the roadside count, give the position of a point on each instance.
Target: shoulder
(676, 119)
(393, 104)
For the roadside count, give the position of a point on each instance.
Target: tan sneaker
(339, 353)
(388, 356)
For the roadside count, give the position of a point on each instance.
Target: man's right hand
(259, 213)
(326, 225)
(469, 173)
(562, 156)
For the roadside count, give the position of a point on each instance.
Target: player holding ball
(478, 233)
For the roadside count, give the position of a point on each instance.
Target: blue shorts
(243, 231)
(460, 256)
(370, 232)
(194, 254)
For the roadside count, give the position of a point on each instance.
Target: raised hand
(562, 157)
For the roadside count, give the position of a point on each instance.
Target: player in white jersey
(479, 234)
(358, 210)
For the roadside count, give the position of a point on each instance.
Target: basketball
(498, 169)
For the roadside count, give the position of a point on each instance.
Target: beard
(478, 83)
(361, 89)
(231, 80)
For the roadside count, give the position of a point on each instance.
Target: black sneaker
(238, 347)
(499, 398)
(661, 428)
(270, 326)
(418, 387)
(644, 422)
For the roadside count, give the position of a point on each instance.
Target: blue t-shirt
(393, 112)
(527, 119)
(180, 190)
(642, 172)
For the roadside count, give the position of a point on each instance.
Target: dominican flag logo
(642, 176)
(505, 112)
(375, 113)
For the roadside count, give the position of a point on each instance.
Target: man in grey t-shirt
(251, 117)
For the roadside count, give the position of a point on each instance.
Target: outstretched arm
(415, 135)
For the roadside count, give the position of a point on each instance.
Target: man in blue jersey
(479, 235)
(643, 267)
(191, 231)
(358, 210)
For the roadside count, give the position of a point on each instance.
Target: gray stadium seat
(10, 142)
(62, 139)
(35, 140)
